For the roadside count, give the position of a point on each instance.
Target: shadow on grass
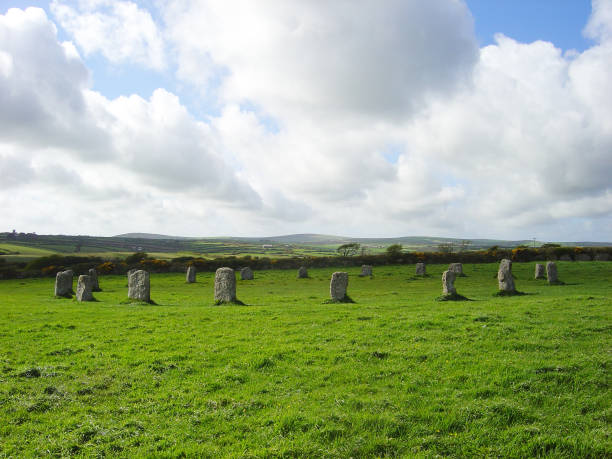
(139, 302)
(506, 293)
(236, 302)
(346, 299)
(452, 297)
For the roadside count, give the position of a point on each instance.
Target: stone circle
(540, 272)
(225, 285)
(504, 276)
(448, 282)
(84, 288)
(457, 268)
(139, 286)
(63, 283)
(246, 273)
(338, 286)
(95, 286)
(190, 278)
(551, 273)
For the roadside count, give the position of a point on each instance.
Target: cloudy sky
(351, 117)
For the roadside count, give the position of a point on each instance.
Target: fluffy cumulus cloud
(343, 117)
(119, 30)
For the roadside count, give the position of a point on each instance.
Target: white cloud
(323, 59)
(335, 117)
(119, 30)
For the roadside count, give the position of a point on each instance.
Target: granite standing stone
(246, 273)
(63, 283)
(457, 268)
(302, 273)
(420, 269)
(366, 270)
(139, 286)
(551, 273)
(448, 282)
(84, 287)
(191, 275)
(225, 285)
(540, 273)
(95, 286)
(504, 276)
(338, 286)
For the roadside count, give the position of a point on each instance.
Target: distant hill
(21, 246)
(149, 236)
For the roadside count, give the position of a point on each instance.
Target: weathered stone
(246, 273)
(366, 270)
(84, 288)
(602, 257)
(338, 286)
(551, 273)
(139, 286)
(130, 271)
(420, 269)
(225, 285)
(457, 268)
(565, 258)
(302, 273)
(583, 257)
(540, 273)
(190, 278)
(63, 283)
(448, 282)
(504, 276)
(95, 286)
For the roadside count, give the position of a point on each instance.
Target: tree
(464, 245)
(445, 247)
(394, 250)
(348, 250)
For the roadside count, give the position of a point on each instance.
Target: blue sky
(358, 118)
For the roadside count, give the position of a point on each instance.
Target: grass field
(395, 374)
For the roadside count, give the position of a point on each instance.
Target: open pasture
(395, 374)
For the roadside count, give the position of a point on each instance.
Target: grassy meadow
(396, 374)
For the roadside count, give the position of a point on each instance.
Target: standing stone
(139, 286)
(539, 271)
(191, 275)
(63, 283)
(246, 273)
(420, 269)
(457, 268)
(302, 273)
(551, 273)
(504, 276)
(338, 285)
(366, 270)
(84, 288)
(225, 285)
(448, 282)
(95, 286)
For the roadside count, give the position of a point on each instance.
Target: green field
(396, 374)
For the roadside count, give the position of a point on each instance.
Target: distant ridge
(149, 236)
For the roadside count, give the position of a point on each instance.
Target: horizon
(339, 236)
(446, 117)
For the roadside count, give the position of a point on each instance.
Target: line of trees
(394, 254)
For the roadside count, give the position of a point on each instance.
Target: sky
(468, 119)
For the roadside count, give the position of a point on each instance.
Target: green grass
(395, 374)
